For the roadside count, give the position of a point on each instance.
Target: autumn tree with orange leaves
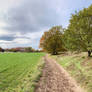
(51, 41)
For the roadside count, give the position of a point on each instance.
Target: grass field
(79, 66)
(19, 71)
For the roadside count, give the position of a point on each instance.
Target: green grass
(19, 71)
(80, 68)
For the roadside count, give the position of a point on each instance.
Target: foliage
(20, 49)
(1, 49)
(78, 35)
(51, 40)
(29, 49)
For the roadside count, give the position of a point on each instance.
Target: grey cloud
(32, 16)
(12, 37)
(7, 38)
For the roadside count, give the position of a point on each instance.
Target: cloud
(22, 41)
(27, 22)
(24, 21)
(32, 16)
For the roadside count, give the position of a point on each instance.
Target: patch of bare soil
(56, 79)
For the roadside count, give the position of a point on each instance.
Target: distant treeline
(19, 49)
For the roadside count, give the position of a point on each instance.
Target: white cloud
(3, 41)
(6, 4)
(22, 41)
(4, 32)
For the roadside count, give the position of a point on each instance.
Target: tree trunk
(89, 53)
(55, 53)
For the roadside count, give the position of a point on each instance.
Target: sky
(22, 22)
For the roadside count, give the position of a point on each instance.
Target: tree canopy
(78, 35)
(51, 40)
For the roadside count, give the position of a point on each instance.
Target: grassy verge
(19, 71)
(37, 74)
(79, 66)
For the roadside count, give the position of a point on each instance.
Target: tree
(29, 49)
(1, 49)
(78, 35)
(51, 41)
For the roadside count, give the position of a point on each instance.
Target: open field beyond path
(56, 79)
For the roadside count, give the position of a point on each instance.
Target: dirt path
(56, 79)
